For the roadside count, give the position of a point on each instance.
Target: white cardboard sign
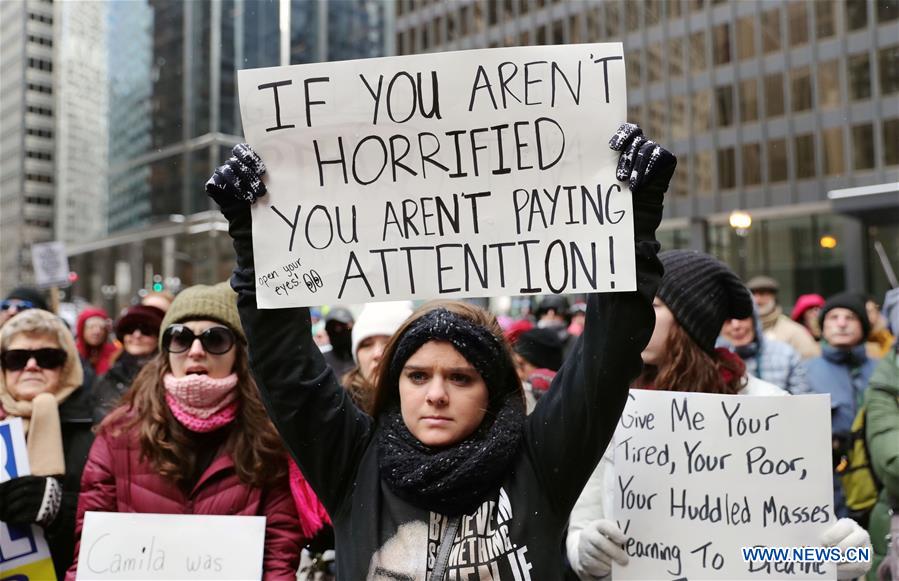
(23, 549)
(169, 546)
(51, 264)
(460, 174)
(699, 476)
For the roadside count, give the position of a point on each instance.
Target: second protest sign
(473, 173)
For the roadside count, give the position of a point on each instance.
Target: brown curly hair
(689, 368)
(254, 445)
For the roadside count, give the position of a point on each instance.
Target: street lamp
(741, 221)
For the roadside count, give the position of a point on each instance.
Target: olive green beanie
(216, 303)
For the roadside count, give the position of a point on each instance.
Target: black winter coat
(77, 437)
(110, 388)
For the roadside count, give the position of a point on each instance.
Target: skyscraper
(769, 106)
(52, 134)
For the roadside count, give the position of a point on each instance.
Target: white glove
(599, 545)
(847, 533)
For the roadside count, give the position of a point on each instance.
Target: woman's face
(33, 380)
(197, 361)
(368, 353)
(443, 398)
(655, 351)
(96, 329)
(138, 344)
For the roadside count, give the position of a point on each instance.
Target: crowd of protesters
(358, 436)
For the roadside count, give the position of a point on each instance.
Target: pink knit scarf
(201, 403)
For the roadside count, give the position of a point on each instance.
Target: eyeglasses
(47, 358)
(215, 340)
(18, 304)
(144, 328)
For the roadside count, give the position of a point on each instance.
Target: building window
(771, 31)
(676, 57)
(632, 16)
(653, 12)
(774, 95)
(635, 114)
(698, 60)
(702, 111)
(832, 145)
(798, 17)
(679, 129)
(801, 83)
(749, 101)
(657, 121)
(825, 23)
(856, 14)
(704, 172)
(40, 64)
(724, 105)
(891, 141)
(888, 62)
(675, 8)
(654, 62)
(633, 65)
(805, 156)
(721, 51)
(746, 37)
(859, 77)
(887, 10)
(613, 19)
(681, 185)
(751, 156)
(863, 146)
(828, 84)
(777, 160)
(727, 169)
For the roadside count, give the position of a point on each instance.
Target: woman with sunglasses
(448, 478)
(138, 330)
(192, 437)
(41, 383)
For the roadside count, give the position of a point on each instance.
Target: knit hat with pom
(702, 293)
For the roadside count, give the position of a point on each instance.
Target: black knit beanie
(32, 295)
(542, 348)
(855, 302)
(480, 347)
(702, 293)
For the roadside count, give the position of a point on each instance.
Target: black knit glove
(234, 186)
(647, 167)
(30, 500)
(238, 179)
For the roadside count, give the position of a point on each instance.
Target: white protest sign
(51, 264)
(699, 476)
(470, 173)
(170, 546)
(24, 553)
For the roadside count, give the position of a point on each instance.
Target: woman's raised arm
(321, 427)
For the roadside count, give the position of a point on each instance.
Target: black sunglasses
(18, 304)
(215, 340)
(47, 358)
(144, 328)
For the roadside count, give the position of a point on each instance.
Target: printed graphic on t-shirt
(482, 548)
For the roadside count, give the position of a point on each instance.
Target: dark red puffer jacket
(116, 480)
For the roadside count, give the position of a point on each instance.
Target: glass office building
(768, 105)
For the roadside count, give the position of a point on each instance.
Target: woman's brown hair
(387, 392)
(254, 445)
(689, 368)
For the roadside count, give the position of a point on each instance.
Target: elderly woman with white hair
(41, 383)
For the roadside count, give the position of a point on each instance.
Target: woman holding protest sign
(41, 383)
(192, 437)
(449, 476)
(697, 295)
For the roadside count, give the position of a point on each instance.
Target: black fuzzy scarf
(456, 479)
